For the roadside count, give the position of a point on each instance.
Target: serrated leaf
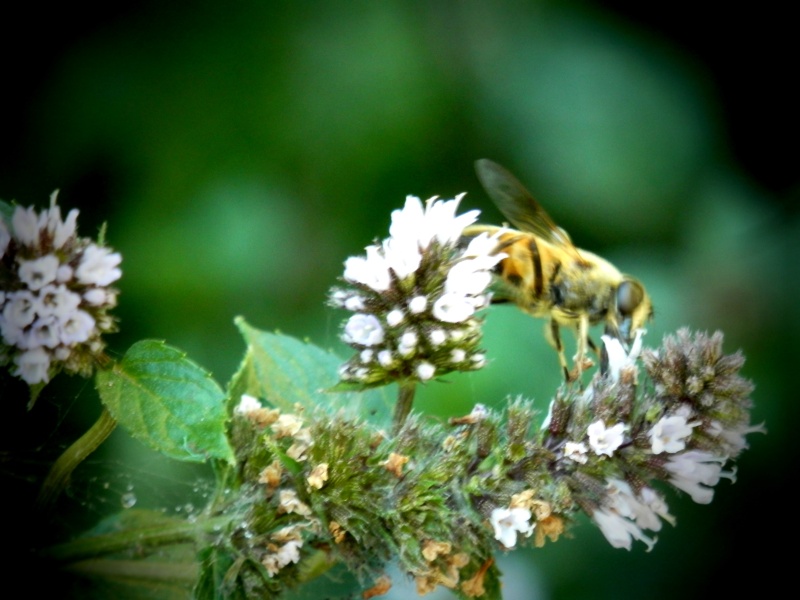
(168, 402)
(284, 371)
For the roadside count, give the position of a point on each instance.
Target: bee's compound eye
(629, 296)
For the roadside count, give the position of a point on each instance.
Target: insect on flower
(546, 276)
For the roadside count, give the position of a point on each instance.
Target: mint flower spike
(677, 415)
(56, 295)
(415, 297)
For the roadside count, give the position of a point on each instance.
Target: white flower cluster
(684, 446)
(415, 296)
(55, 295)
(625, 514)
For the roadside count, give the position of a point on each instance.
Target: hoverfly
(546, 276)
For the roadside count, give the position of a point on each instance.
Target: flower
(508, 522)
(669, 434)
(618, 358)
(98, 266)
(576, 451)
(56, 297)
(415, 296)
(290, 503)
(286, 554)
(618, 530)
(453, 308)
(364, 330)
(696, 472)
(247, 404)
(371, 271)
(605, 441)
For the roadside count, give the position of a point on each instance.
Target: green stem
(60, 472)
(148, 536)
(405, 399)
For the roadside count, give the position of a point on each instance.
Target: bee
(546, 276)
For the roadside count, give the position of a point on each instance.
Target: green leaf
(168, 402)
(284, 370)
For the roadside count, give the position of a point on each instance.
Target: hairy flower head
(415, 297)
(56, 294)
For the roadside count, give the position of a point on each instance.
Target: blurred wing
(518, 206)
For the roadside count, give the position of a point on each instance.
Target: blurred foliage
(241, 152)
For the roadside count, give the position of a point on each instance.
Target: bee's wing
(518, 205)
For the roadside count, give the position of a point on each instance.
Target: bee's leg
(553, 335)
(599, 352)
(582, 362)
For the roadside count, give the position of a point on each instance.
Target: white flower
(425, 371)
(407, 222)
(408, 343)
(402, 257)
(669, 434)
(372, 270)
(25, 223)
(734, 441)
(467, 277)
(32, 366)
(77, 328)
(417, 305)
(354, 303)
(618, 530)
(605, 441)
(482, 248)
(38, 272)
(453, 308)
(655, 502)
(395, 317)
(99, 266)
(20, 309)
(507, 522)
(624, 502)
(96, 296)
(363, 329)
(288, 553)
(696, 472)
(247, 404)
(437, 337)
(45, 332)
(437, 221)
(385, 358)
(442, 220)
(576, 451)
(58, 301)
(618, 358)
(64, 273)
(457, 355)
(60, 230)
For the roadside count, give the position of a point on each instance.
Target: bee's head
(633, 308)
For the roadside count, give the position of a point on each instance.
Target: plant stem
(405, 399)
(60, 472)
(143, 536)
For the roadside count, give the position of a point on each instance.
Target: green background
(240, 152)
